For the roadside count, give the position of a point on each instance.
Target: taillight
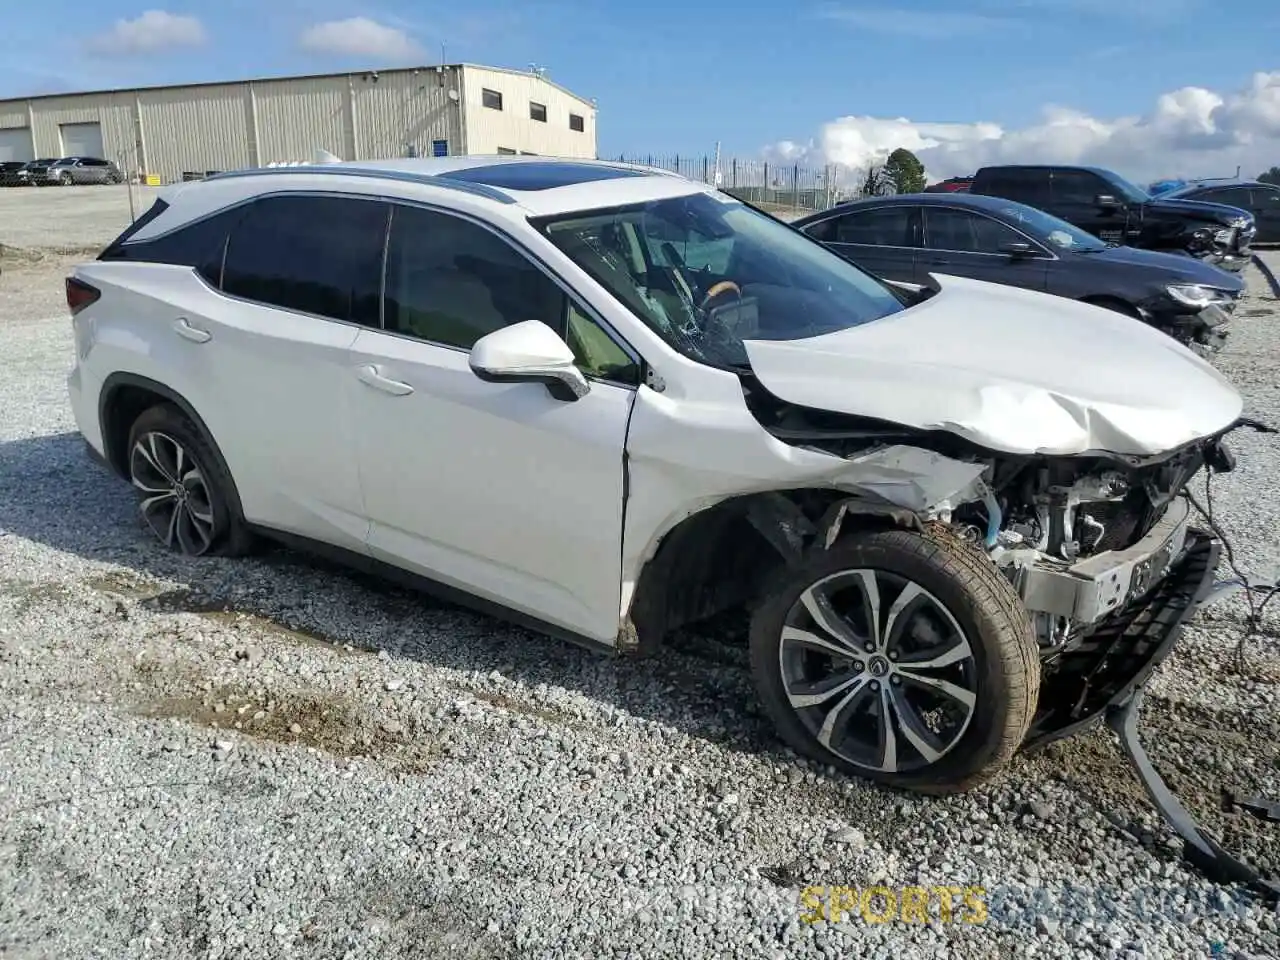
(80, 295)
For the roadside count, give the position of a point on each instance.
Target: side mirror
(1017, 251)
(1106, 201)
(529, 352)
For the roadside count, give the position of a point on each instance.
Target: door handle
(183, 328)
(370, 376)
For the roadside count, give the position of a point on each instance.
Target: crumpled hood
(1011, 370)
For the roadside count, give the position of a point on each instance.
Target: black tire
(64, 180)
(1002, 670)
(227, 534)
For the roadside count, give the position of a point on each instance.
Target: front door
(968, 244)
(497, 489)
(1075, 199)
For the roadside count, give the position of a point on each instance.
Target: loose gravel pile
(276, 758)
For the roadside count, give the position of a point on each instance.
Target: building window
(506, 152)
(538, 111)
(439, 148)
(576, 123)
(491, 99)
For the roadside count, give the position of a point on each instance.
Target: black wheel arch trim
(111, 387)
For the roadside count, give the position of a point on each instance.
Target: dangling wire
(1256, 608)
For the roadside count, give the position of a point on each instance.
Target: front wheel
(64, 179)
(900, 657)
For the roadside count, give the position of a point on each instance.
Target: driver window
(596, 353)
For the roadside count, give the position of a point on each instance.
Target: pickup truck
(1114, 210)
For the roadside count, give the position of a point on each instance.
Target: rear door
(965, 243)
(882, 240)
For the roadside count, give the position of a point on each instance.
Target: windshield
(1049, 229)
(1129, 191)
(707, 272)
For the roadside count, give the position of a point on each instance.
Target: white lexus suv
(608, 402)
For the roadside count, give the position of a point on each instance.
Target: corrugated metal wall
(13, 113)
(194, 129)
(170, 131)
(406, 109)
(298, 117)
(512, 128)
(112, 111)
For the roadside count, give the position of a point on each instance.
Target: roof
(972, 200)
(540, 185)
(304, 76)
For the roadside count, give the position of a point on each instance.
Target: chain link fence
(788, 190)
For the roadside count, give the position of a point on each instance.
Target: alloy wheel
(878, 670)
(175, 504)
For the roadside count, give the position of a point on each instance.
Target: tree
(906, 171)
(877, 182)
(1271, 176)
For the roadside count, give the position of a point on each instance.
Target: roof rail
(401, 176)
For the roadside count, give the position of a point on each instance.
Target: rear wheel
(186, 498)
(901, 657)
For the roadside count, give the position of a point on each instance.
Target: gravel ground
(69, 220)
(276, 758)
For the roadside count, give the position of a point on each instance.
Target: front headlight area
(1198, 295)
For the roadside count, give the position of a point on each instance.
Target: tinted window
(1231, 196)
(320, 255)
(1027, 186)
(1266, 199)
(887, 226)
(451, 281)
(1078, 187)
(537, 111)
(966, 232)
(576, 123)
(200, 244)
(491, 99)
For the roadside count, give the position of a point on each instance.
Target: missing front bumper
(1091, 590)
(1106, 677)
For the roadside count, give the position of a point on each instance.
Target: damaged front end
(1106, 552)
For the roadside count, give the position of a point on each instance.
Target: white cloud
(155, 31)
(361, 37)
(1188, 132)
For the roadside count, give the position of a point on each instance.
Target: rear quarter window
(200, 244)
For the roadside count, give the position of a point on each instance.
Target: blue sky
(676, 76)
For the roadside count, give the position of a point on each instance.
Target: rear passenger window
(451, 281)
(889, 227)
(199, 244)
(320, 255)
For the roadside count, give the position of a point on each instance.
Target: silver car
(71, 170)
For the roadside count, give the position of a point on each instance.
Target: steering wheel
(724, 286)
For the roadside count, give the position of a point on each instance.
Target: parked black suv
(1114, 210)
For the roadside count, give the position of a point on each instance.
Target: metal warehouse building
(195, 128)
